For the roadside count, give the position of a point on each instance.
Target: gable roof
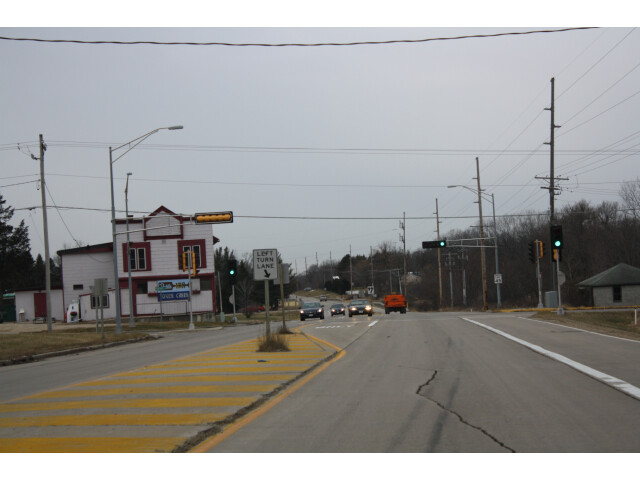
(621, 274)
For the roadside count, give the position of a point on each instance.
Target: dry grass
(273, 343)
(27, 344)
(616, 323)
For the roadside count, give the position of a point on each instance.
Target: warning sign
(265, 264)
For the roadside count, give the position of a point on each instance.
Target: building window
(139, 257)
(195, 246)
(78, 287)
(195, 249)
(205, 284)
(97, 303)
(617, 293)
(143, 287)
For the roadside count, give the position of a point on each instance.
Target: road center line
(373, 323)
(614, 382)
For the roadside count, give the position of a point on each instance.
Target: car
(323, 298)
(337, 309)
(360, 307)
(311, 310)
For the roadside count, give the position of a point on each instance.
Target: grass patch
(620, 323)
(27, 344)
(273, 343)
(284, 330)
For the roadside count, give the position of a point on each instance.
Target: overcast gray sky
(327, 131)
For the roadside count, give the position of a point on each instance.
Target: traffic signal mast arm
(435, 244)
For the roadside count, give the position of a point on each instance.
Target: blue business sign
(171, 290)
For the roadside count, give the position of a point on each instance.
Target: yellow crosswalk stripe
(113, 419)
(189, 379)
(130, 403)
(89, 445)
(155, 390)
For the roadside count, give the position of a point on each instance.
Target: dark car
(337, 309)
(360, 307)
(311, 310)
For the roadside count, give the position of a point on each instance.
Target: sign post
(265, 267)
(99, 292)
(171, 290)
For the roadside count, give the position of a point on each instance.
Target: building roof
(101, 247)
(621, 274)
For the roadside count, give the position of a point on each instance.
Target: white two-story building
(156, 246)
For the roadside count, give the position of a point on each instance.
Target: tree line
(596, 237)
(18, 269)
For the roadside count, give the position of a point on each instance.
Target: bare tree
(630, 193)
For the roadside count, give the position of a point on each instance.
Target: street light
(495, 231)
(131, 145)
(128, 260)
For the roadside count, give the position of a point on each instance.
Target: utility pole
(495, 234)
(552, 179)
(403, 238)
(350, 272)
(47, 266)
(450, 263)
(485, 305)
(371, 256)
(331, 264)
(439, 257)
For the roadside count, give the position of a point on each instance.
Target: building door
(40, 305)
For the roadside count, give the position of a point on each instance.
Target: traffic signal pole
(539, 275)
(560, 309)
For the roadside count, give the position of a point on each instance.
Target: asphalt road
(447, 383)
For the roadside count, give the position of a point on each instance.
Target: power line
(285, 217)
(328, 44)
(304, 150)
(596, 63)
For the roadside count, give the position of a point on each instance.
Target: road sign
(285, 273)
(170, 290)
(370, 290)
(497, 278)
(265, 264)
(561, 277)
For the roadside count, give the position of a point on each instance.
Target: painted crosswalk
(155, 408)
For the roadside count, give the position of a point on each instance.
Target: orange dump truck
(395, 303)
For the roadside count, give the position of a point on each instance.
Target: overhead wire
(322, 44)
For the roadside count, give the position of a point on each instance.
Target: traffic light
(541, 251)
(188, 261)
(532, 251)
(233, 271)
(557, 255)
(214, 217)
(435, 244)
(556, 236)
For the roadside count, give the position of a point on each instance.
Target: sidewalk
(158, 408)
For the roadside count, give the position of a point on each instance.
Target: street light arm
(484, 195)
(140, 139)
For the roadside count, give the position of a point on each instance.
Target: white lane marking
(373, 323)
(614, 382)
(578, 329)
(336, 326)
